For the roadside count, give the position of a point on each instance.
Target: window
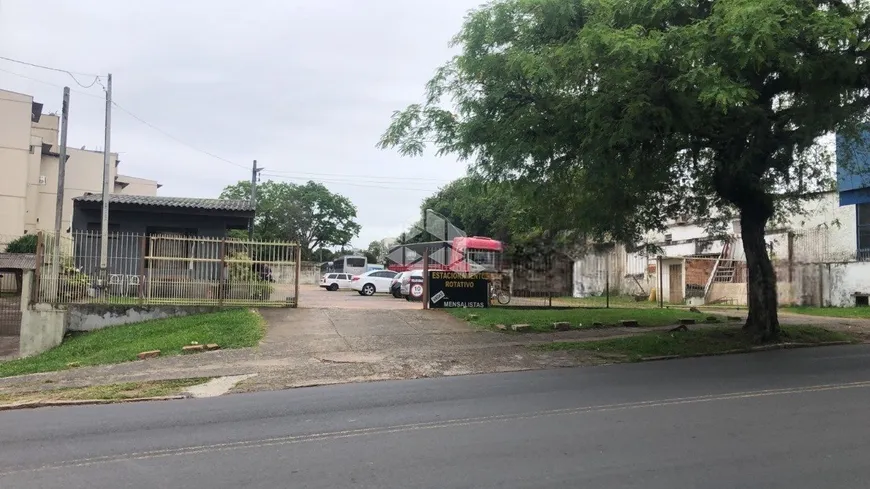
(356, 262)
(343, 277)
(863, 211)
(331, 276)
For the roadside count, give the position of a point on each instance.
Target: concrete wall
(90, 317)
(590, 274)
(42, 325)
(128, 185)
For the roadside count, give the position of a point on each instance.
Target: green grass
(834, 312)
(541, 320)
(235, 328)
(621, 301)
(693, 342)
(127, 390)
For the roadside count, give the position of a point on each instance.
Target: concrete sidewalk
(325, 346)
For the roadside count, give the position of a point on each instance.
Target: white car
(335, 281)
(375, 281)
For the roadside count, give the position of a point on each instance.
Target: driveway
(316, 297)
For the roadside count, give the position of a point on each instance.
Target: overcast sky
(304, 87)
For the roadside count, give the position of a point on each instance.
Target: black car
(396, 286)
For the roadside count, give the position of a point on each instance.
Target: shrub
(24, 244)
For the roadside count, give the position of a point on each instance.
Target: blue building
(853, 185)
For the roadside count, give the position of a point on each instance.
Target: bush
(24, 244)
(245, 280)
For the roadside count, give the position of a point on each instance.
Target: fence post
(425, 278)
(660, 273)
(607, 280)
(821, 285)
(298, 269)
(40, 256)
(222, 281)
(143, 246)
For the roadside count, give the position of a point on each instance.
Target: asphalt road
(789, 419)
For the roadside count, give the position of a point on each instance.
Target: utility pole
(61, 184)
(107, 171)
(255, 174)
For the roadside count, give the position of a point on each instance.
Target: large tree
(628, 112)
(308, 214)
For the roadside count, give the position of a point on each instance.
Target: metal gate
(10, 305)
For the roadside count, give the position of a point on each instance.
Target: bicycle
(500, 295)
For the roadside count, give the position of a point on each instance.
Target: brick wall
(698, 271)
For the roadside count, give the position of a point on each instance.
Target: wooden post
(298, 269)
(661, 284)
(222, 279)
(37, 278)
(426, 278)
(143, 246)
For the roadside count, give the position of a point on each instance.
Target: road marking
(406, 428)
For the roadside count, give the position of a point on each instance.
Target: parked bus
(463, 254)
(351, 264)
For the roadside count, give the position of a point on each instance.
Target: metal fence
(167, 269)
(11, 278)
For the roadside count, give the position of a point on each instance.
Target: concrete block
(501, 327)
(472, 317)
(629, 323)
(562, 326)
(735, 318)
(687, 321)
(192, 348)
(212, 347)
(148, 354)
(520, 328)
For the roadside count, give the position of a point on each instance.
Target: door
(382, 280)
(675, 281)
(343, 281)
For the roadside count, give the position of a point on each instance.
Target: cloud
(304, 87)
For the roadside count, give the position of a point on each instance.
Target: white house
(821, 258)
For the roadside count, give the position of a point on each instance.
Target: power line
(368, 181)
(388, 186)
(382, 177)
(59, 70)
(179, 141)
(50, 84)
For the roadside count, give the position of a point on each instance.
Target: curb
(85, 402)
(775, 346)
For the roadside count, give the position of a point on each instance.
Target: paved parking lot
(312, 296)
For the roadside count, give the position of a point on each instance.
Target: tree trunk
(762, 322)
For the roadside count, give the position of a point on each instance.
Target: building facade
(821, 257)
(29, 157)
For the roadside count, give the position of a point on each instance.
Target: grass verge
(236, 328)
(541, 320)
(693, 342)
(834, 312)
(111, 392)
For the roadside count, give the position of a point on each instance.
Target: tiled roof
(17, 261)
(180, 202)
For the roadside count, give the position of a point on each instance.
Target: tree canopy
(308, 214)
(625, 113)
